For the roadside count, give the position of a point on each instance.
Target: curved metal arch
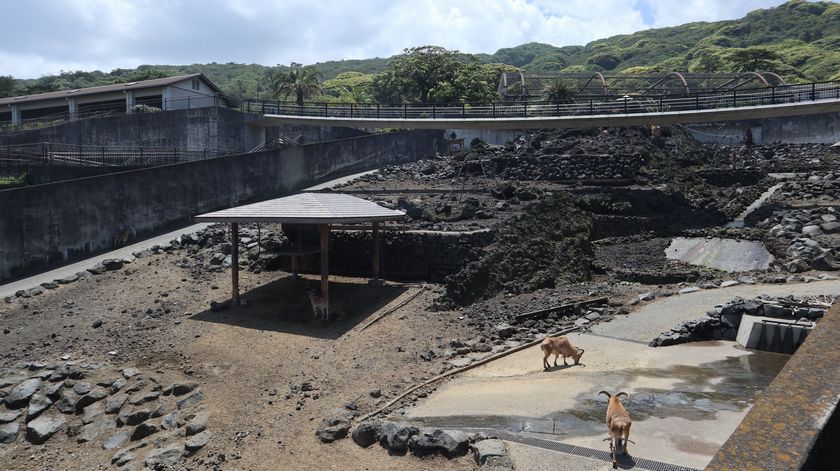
(603, 82)
(669, 74)
(522, 83)
(754, 75)
(775, 76)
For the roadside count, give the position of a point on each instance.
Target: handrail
(626, 104)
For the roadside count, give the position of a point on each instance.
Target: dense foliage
(798, 39)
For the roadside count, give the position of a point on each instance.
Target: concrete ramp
(721, 254)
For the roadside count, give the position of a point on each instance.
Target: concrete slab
(721, 254)
(685, 400)
(537, 459)
(650, 320)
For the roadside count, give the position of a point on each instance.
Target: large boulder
(9, 432)
(333, 428)
(492, 454)
(19, 395)
(367, 433)
(163, 457)
(45, 426)
(449, 442)
(395, 436)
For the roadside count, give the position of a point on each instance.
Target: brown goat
(560, 346)
(618, 423)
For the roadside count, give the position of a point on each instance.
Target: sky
(44, 37)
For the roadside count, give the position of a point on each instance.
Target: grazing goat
(559, 346)
(319, 304)
(618, 423)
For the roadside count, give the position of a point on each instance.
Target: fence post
(696, 101)
(591, 108)
(734, 98)
(326, 110)
(188, 101)
(494, 109)
(405, 110)
(813, 91)
(463, 110)
(625, 104)
(660, 103)
(377, 111)
(773, 95)
(351, 110)
(434, 111)
(524, 109)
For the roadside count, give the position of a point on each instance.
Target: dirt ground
(250, 361)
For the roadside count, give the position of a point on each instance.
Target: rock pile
(806, 232)
(126, 411)
(723, 321)
(400, 438)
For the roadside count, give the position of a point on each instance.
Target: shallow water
(698, 393)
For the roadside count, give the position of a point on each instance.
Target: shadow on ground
(283, 306)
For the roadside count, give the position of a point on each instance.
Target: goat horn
(604, 392)
(622, 393)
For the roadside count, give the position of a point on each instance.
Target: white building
(171, 93)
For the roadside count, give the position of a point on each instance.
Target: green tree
(302, 82)
(8, 87)
(752, 59)
(707, 62)
(559, 90)
(423, 68)
(387, 88)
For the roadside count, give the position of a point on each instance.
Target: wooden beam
(234, 261)
(375, 239)
(325, 262)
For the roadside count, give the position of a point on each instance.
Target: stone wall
(409, 255)
(817, 129)
(43, 225)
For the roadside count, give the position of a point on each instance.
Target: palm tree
(559, 90)
(302, 82)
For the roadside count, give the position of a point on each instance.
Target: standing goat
(559, 346)
(618, 423)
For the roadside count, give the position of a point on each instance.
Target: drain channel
(624, 461)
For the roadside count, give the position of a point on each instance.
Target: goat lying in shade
(618, 423)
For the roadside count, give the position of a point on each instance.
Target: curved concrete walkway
(661, 314)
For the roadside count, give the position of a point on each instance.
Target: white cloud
(46, 36)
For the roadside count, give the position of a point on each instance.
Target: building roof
(306, 208)
(117, 87)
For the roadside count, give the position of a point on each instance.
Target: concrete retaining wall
(490, 136)
(211, 128)
(42, 225)
(816, 129)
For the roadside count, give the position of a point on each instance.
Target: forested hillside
(798, 39)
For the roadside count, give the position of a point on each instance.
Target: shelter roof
(306, 208)
(117, 87)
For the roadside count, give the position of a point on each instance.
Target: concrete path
(651, 319)
(685, 400)
(9, 289)
(722, 254)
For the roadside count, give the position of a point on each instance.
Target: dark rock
(112, 264)
(122, 457)
(135, 417)
(366, 434)
(333, 428)
(191, 400)
(9, 432)
(375, 393)
(45, 426)
(163, 457)
(117, 440)
(115, 403)
(82, 388)
(9, 415)
(96, 395)
(449, 442)
(20, 394)
(825, 262)
(179, 389)
(169, 421)
(504, 331)
(37, 404)
(67, 280)
(92, 411)
(143, 430)
(67, 402)
(130, 372)
(395, 436)
(198, 423)
(93, 430)
(490, 450)
(142, 398)
(197, 442)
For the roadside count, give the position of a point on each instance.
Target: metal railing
(100, 156)
(141, 105)
(593, 106)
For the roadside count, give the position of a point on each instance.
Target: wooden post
(294, 266)
(325, 261)
(234, 260)
(375, 238)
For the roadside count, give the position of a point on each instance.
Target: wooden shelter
(303, 214)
